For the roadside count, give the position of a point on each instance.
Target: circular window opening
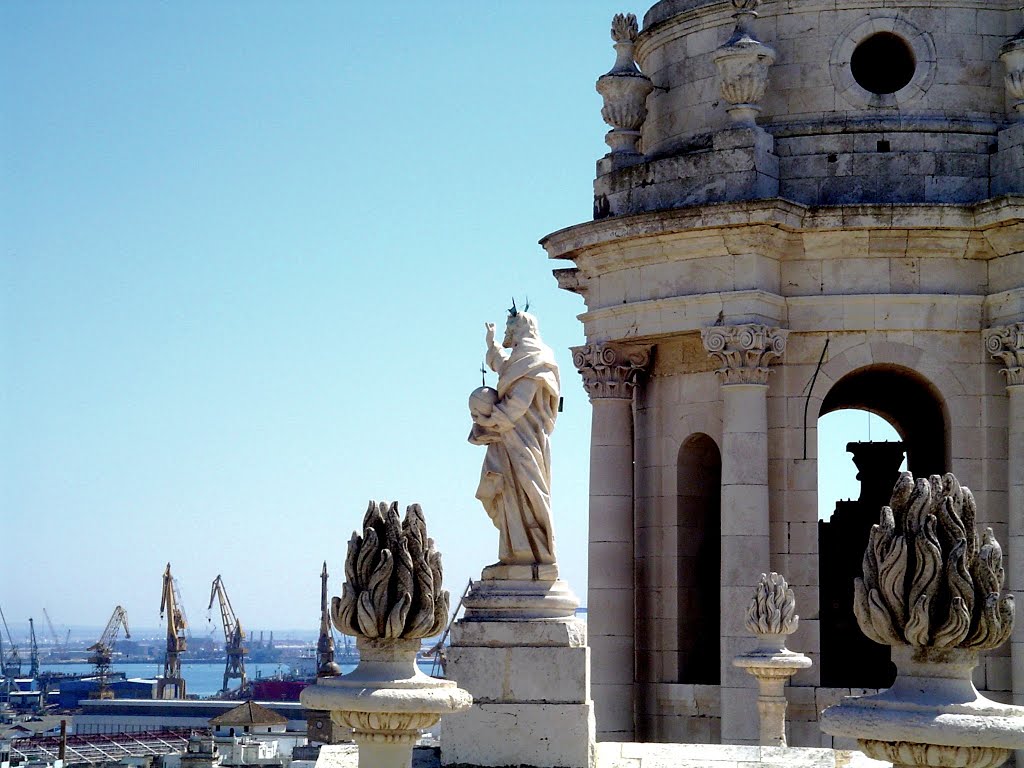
(883, 63)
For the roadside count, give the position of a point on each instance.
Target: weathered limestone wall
(956, 46)
(682, 399)
(822, 138)
(898, 288)
(889, 223)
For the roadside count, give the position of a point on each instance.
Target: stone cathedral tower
(807, 206)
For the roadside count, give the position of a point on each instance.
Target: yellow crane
(102, 651)
(234, 635)
(170, 606)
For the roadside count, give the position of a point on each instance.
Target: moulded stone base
(533, 572)
(542, 735)
(519, 599)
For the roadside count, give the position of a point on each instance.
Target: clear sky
(248, 249)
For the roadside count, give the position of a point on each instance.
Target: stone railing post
(610, 373)
(1006, 344)
(771, 616)
(745, 352)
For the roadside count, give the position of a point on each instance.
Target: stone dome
(877, 101)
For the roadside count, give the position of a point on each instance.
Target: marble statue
(515, 422)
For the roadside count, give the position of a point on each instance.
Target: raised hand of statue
(490, 334)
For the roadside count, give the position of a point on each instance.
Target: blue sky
(247, 254)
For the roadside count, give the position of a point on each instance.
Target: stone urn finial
(624, 89)
(391, 600)
(746, 12)
(932, 590)
(743, 63)
(770, 618)
(1012, 56)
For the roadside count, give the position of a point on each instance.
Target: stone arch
(698, 548)
(914, 405)
(916, 371)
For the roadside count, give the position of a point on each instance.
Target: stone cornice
(745, 351)
(1006, 344)
(576, 241)
(611, 370)
(808, 314)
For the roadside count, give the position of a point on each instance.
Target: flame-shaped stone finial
(929, 581)
(392, 588)
(772, 610)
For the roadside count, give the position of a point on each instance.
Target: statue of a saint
(515, 423)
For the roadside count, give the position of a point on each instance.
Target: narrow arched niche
(698, 545)
(915, 409)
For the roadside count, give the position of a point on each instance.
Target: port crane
(33, 650)
(53, 633)
(102, 651)
(10, 662)
(170, 606)
(234, 635)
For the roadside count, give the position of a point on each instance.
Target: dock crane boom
(33, 650)
(234, 635)
(53, 633)
(102, 651)
(170, 606)
(10, 662)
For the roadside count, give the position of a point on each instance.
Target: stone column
(1006, 344)
(745, 351)
(610, 374)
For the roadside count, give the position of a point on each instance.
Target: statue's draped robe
(515, 483)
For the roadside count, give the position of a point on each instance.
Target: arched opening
(699, 475)
(916, 421)
(907, 401)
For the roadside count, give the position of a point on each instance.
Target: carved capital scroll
(611, 371)
(1006, 344)
(745, 351)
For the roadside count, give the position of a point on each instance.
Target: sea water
(200, 679)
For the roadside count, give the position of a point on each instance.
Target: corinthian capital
(745, 351)
(1006, 344)
(611, 370)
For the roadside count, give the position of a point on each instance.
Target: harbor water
(201, 679)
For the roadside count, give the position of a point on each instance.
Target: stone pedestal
(386, 701)
(771, 664)
(932, 716)
(523, 656)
